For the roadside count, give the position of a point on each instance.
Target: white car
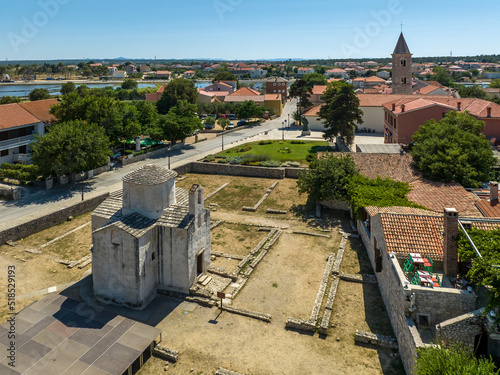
(230, 126)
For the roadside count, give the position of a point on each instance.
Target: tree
(327, 178)
(209, 121)
(147, 115)
(438, 360)
(179, 123)
(247, 110)
(9, 99)
(340, 112)
(39, 94)
(473, 91)
(301, 90)
(224, 75)
(442, 76)
(175, 90)
(315, 79)
(70, 147)
(495, 84)
(453, 149)
(129, 84)
(474, 72)
(223, 123)
(67, 87)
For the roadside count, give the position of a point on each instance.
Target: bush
(243, 149)
(270, 163)
(252, 159)
(209, 158)
(19, 171)
(262, 143)
(297, 142)
(128, 152)
(236, 160)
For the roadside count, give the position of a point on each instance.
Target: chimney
(493, 191)
(402, 107)
(488, 111)
(459, 106)
(450, 251)
(393, 107)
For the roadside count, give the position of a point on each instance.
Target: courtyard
(283, 283)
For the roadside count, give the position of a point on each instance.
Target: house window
(4, 153)
(274, 84)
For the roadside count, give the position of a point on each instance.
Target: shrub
(209, 158)
(236, 160)
(244, 148)
(262, 143)
(19, 171)
(129, 152)
(270, 163)
(250, 159)
(297, 142)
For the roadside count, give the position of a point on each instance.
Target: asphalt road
(45, 201)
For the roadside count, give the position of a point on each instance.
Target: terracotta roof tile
(41, 109)
(488, 208)
(245, 91)
(318, 89)
(13, 115)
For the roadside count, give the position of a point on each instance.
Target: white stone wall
(115, 270)
(148, 200)
(174, 259)
(148, 267)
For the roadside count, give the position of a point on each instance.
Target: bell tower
(401, 68)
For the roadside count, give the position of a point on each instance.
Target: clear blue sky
(244, 29)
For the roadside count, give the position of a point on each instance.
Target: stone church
(151, 235)
(401, 68)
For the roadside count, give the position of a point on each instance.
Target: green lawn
(278, 150)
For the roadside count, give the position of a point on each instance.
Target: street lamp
(222, 136)
(283, 131)
(169, 155)
(82, 175)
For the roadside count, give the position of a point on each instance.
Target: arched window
(403, 62)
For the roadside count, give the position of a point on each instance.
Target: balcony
(16, 142)
(22, 158)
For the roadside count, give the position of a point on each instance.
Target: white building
(120, 74)
(152, 236)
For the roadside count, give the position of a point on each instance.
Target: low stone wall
(322, 288)
(47, 221)
(160, 151)
(97, 171)
(10, 192)
(335, 204)
(300, 324)
(325, 322)
(291, 172)
(223, 371)
(216, 191)
(377, 340)
(340, 256)
(311, 234)
(166, 353)
(362, 279)
(236, 170)
(250, 314)
(462, 329)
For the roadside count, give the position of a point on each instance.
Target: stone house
(149, 236)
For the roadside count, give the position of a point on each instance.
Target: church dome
(150, 175)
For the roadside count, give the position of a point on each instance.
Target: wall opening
(199, 263)
(378, 257)
(424, 320)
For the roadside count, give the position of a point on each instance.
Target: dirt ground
(284, 284)
(37, 271)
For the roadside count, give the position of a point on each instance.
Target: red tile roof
(433, 195)
(41, 109)
(408, 233)
(373, 210)
(272, 97)
(245, 91)
(313, 111)
(13, 115)
(489, 208)
(318, 89)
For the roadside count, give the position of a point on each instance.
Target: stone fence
(236, 170)
(461, 330)
(134, 159)
(33, 226)
(10, 192)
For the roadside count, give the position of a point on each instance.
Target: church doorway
(199, 262)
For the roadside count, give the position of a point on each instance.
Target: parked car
(242, 122)
(209, 126)
(230, 126)
(232, 116)
(222, 116)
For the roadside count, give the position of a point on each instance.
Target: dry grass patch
(356, 261)
(238, 239)
(286, 281)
